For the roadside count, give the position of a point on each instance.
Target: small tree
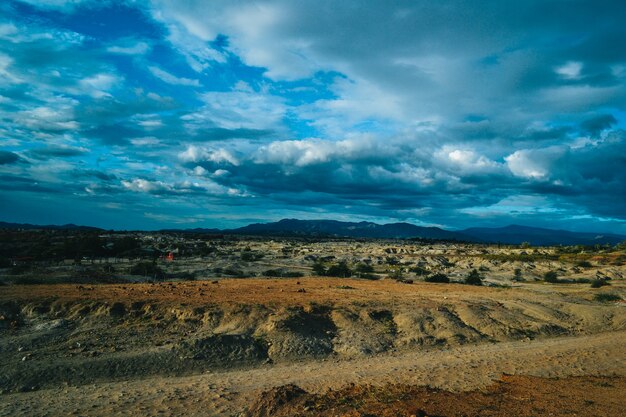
(474, 278)
(550, 277)
(517, 274)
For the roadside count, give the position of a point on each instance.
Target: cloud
(172, 79)
(7, 158)
(57, 152)
(139, 48)
(422, 112)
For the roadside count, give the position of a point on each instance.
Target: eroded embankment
(49, 341)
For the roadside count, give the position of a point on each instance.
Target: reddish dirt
(512, 396)
(272, 292)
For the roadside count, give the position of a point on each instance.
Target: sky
(166, 113)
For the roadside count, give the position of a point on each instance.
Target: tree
(517, 274)
(474, 278)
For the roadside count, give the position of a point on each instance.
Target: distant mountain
(28, 226)
(346, 229)
(515, 234)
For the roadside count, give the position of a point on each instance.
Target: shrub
(440, 278)
(148, 269)
(369, 276)
(551, 277)
(340, 269)
(597, 283)
(607, 297)
(418, 270)
(396, 274)
(474, 278)
(319, 269)
(584, 264)
(363, 268)
(517, 274)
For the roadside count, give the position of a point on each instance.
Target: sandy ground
(228, 393)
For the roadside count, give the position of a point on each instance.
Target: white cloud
(197, 154)
(172, 79)
(570, 70)
(139, 48)
(536, 164)
(144, 186)
(99, 85)
(237, 109)
(465, 160)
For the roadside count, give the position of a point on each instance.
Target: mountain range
(513, 234)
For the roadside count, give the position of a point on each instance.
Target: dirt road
(227, 393)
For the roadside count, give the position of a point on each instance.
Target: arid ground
(219, 348)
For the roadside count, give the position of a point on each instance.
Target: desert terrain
(93, 337)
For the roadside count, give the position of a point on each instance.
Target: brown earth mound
(510, 397)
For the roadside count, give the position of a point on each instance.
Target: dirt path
(227, 393)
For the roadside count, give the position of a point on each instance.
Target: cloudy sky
(168, 113)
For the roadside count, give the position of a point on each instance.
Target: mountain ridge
(510, 234)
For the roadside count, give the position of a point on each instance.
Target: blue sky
(153, 114)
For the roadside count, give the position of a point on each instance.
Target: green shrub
(597, 283)
(550, 277)
(340, 269)
(474, 278)
(363, 268)
(607, 297)
(440, 278)
(319, 269)
(418, 270)
(584, 264)
(369, 276)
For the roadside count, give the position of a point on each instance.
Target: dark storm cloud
(8, 158)
(599, 123)
(56, 152)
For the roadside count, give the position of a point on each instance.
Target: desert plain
(275, 339)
